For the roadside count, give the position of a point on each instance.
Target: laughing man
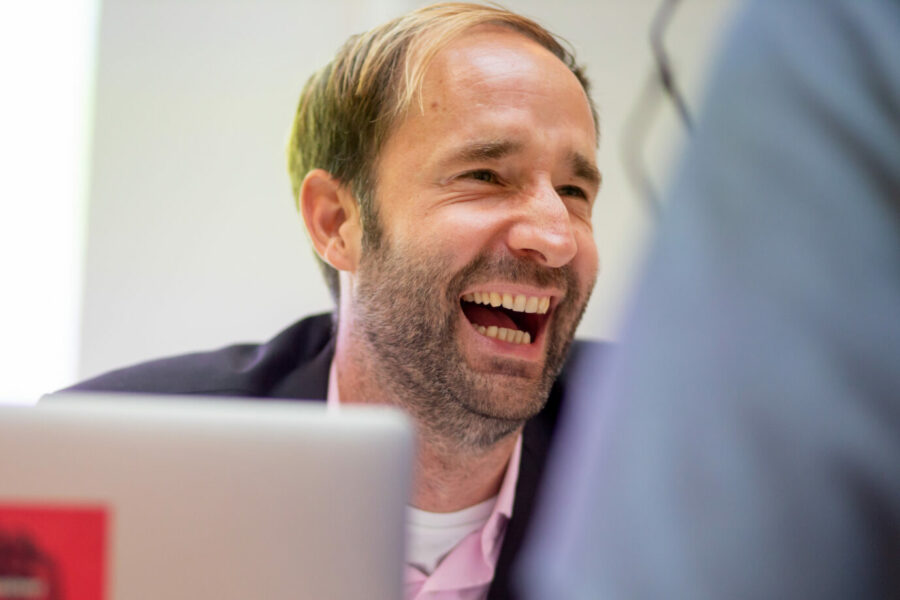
(444, 165)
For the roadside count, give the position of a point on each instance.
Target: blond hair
(347, 108)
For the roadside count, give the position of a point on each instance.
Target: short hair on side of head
(348, 108)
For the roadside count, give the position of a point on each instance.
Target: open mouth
(517, 319)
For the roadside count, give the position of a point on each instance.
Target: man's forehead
(492, 93)
(497, 64)
(488, 52)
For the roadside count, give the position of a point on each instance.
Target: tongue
(486, 316)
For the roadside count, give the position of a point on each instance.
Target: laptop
(137, 497)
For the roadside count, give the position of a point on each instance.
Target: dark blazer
(294, 365)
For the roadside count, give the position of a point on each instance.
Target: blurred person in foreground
(444, 165)
(746, 441)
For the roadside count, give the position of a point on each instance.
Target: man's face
(485, 195)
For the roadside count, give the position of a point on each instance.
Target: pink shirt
(467, 571)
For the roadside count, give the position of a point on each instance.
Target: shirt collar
(492, 534)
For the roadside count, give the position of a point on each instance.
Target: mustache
(486, 266)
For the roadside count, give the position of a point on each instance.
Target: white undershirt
(431, 536)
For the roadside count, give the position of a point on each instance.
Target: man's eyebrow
(486, 150)
(585, 169)
(496, 149)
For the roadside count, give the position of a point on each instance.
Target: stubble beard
(407, 323)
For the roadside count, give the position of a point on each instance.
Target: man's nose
(542, 230)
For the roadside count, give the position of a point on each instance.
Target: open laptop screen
(198, 498)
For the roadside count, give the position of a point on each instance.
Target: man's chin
(511, 371)
(505, 393)
(507, 387)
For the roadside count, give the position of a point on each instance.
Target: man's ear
(331, 215)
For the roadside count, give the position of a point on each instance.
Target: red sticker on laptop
(52, 552)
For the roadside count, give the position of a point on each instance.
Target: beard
(407, 315)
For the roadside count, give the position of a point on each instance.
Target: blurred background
(145, 207)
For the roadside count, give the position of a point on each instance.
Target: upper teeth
(518, 303)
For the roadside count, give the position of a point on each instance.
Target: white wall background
(192, 240)
(46, 72)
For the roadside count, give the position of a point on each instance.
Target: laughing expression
(486, 260)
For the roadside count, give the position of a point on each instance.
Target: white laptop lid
(187, 498)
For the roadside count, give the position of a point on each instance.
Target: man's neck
(449, 481)
(448, 476)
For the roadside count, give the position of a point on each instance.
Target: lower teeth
(507, 335)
